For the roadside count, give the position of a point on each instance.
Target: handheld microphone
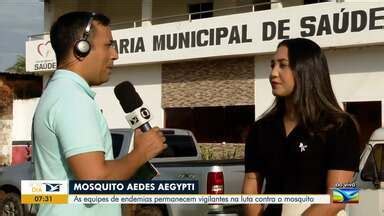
(138, 115)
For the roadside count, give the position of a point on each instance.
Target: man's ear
(82, 48)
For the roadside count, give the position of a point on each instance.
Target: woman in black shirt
(305, 143)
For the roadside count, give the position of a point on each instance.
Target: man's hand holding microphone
(150, 143)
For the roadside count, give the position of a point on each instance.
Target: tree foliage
(19, 66)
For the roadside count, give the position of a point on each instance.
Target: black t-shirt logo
(302, 147)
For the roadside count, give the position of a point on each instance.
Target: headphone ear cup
(82, 48)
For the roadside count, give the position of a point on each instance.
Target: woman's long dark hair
(313, 98)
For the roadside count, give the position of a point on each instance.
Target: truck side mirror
(373, 169)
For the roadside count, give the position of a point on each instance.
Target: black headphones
(82, 46)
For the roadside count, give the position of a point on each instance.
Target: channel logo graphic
(44, 191)
(52, 187)
(345, 195)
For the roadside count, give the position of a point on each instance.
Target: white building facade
(209, 71)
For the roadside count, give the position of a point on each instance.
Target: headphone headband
(82, 46)
(88, 28)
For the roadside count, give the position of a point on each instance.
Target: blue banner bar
(134, 187)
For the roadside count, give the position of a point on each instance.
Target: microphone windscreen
(127, 96)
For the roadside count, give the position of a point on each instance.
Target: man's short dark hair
(69, 28)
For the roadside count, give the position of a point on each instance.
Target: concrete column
(146, 12)
(382, 113)
(49, 15)
(54, 9)
(276, 5)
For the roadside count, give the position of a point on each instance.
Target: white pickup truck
(180, 161)
(370, 179)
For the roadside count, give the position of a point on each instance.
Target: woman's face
(281, 77)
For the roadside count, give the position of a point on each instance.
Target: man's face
(100, 60)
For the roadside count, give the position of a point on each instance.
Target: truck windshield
(179, 146)
(374, 167)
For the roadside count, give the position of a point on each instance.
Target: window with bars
(201, 10)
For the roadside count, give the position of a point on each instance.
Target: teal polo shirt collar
(67, 74)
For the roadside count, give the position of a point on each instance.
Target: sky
(18, 20)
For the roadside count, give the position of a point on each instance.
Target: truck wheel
(11, 205)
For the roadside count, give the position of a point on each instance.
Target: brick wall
(5, 142)
(218, 82)
(6, 101)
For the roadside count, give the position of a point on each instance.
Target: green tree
(19, 66)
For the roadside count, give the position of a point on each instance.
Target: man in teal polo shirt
(71, 136)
